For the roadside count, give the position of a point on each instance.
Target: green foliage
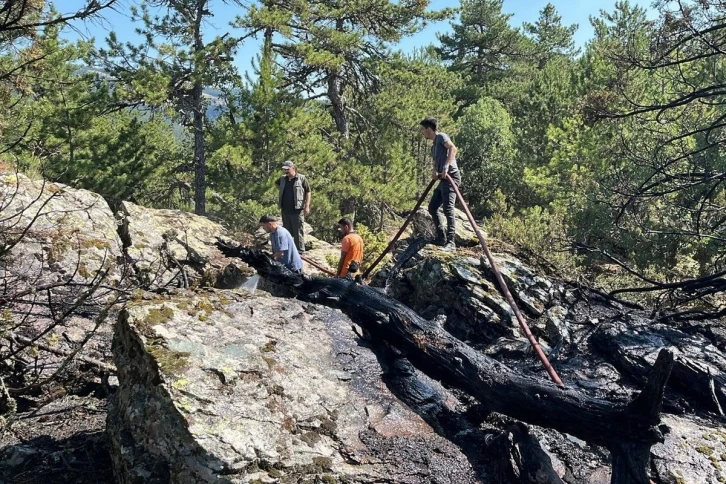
(332, 47)
(488, 158)
(374, 242)
(394, 155)
(540, 231)
(550, 39)
(481, 46)
(63, 133)
(170, 71)
(619, 149)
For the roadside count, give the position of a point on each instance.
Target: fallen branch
(16, 338)
(628, 430)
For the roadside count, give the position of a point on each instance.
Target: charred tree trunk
(516, 456)
(512, 456)
(628, 430)
(702, 381)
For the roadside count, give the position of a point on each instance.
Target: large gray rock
(234, 388)
(55, 233)
(463, 289)
(694, 452)
(61, 242)
(160, 242)
(324, 254)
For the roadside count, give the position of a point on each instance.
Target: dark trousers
(445, 197)
(293, 221)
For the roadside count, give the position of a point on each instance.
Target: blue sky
(572, 12)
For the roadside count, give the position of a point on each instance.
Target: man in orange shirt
(351, 250)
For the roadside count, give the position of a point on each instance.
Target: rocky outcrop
(66, 256)
(234, 388)
(61, 262)
(227, 387)
(172, 247)
(694, 451)
(459, 288)
(55, 233)
(597, 345)
(323, 254)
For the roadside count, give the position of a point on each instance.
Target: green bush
(541, 231)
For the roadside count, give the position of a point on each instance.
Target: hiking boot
(450, 246)
(440, 240)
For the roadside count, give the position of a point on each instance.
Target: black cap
(268, 218)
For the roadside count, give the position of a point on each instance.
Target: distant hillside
(213, 97)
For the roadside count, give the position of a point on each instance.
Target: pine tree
(551, 39)
(251, 142)
(25, 27)
(482, 47)
(173, 68)
(544, 89)
(68, 136)
(326, 47)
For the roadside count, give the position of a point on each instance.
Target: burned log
(702, 380)
(511, 456)
(628, 430)
(517, 456)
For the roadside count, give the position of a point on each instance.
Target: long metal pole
(505, 290)
(318, 266)
(403, 227)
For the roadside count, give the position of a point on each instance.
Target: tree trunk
(200, 162)
(336, 96)
(337, 103)
(628, 430)
(511, 456)
(699, 369)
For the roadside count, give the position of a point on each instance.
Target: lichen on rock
(264, 390)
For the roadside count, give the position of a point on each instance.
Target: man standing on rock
(294, 202)
(351, 250)
(283, 245)
(443, 152)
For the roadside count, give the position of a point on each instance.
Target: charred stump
(628, 430)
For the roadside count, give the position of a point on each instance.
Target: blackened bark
(516, 456)
(513, 456)
(337, 96)
(702, 380)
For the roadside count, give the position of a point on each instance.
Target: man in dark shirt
(294, 202)
(443, 153)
